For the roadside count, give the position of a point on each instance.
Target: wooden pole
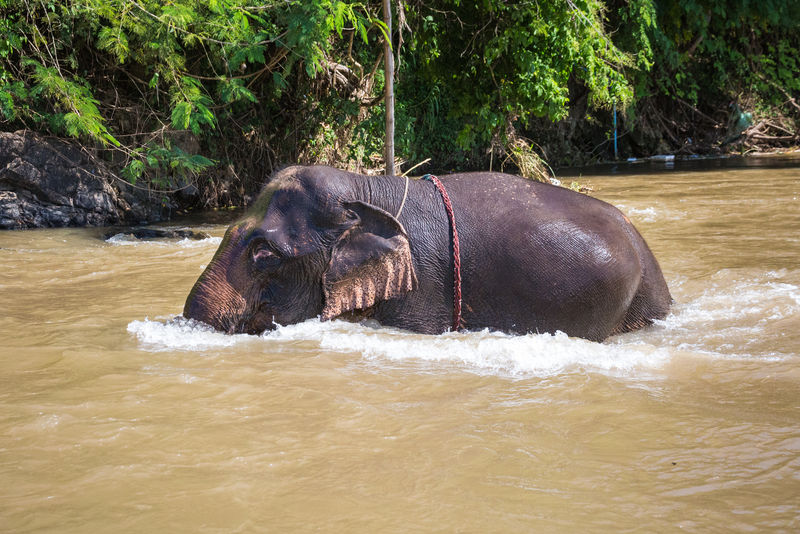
(389, 88)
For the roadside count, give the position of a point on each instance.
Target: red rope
(456, 252)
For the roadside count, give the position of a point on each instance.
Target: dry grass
(521, 153)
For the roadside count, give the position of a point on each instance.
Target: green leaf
(181, 115)
(234, 91)
(279, 81)
(133, 171)
(362, 29)
(115, 41)
(338, 16)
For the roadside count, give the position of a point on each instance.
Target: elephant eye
(264, 258)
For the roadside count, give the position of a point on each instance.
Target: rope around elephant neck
(403, 203)
(456, 251)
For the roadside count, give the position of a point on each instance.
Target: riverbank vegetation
(208, 97)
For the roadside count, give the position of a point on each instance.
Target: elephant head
(308, 247)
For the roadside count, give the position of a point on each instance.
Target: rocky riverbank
(48, 183)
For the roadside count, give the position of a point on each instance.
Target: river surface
(116, 416)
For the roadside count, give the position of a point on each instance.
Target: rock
(49, 183)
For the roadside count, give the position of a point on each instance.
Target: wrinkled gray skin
(534, 258)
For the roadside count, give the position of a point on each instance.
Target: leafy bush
(152, 85)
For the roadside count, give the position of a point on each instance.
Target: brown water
(116, 418)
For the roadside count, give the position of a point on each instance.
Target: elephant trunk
(214, 301)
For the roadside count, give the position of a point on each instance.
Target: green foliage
(299, 79)
(10, 94)
(79, 116)
(233, 90)
(186, 64)
(637, 21)
(720, 48)
(114, 41)
(191, 105)
(165, 162)
(504, 62)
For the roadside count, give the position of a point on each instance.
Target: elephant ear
(370, 262)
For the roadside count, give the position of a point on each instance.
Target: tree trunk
(389, 89)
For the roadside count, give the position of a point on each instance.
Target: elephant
(534, 258)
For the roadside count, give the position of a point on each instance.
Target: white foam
(650, 214)
(751, 303)
(482, 352)
(499, 353)
(646, 214)
(703, 326)
(181, 334)
(127, 240)
(743, 310)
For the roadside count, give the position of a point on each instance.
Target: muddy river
(117, 417)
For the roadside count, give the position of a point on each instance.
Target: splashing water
(127, 240)
(750, 306)
(484, 351)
